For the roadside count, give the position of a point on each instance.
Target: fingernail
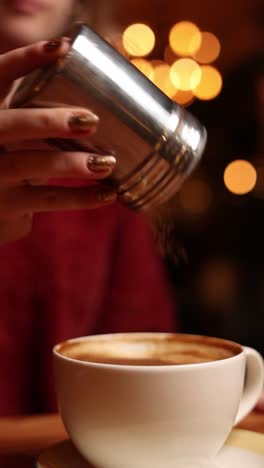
(101, 163)
(83, 123)
(107, 195)
(53, 45)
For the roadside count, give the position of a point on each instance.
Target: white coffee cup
(154, 400)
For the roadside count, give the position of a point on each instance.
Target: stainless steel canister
(156, 142)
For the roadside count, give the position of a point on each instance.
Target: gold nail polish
(83, 123)
(53, 45)
(107, 195)
(101, 163)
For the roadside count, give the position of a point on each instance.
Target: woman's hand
(25, 167)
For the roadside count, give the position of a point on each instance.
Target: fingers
(18, 201)
(18, 166)
(24, 199)
(22, 61)
(27, 124)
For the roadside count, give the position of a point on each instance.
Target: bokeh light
(138, 40)
(185, 74)
(240, 177)
(185, 38)
(144, 66)
(209, 48)
(184, 98)
(163, 81)
(210, 84)
(195, 196)
(218, 282)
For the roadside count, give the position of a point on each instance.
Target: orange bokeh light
(184, 98)
(185, 38)
(163, 81)
(138, 40)
(185, 74)
(209, 48)
(210, 84)
(144, 66)
(240, 177)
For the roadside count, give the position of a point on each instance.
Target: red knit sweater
(78, 273)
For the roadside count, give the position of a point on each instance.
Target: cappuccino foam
(146, 349)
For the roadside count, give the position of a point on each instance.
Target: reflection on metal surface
(156, 143)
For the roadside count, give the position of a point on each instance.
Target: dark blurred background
(218, 280)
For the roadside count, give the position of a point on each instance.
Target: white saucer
(233, 457)
(243, 449)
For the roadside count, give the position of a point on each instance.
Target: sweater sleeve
(138, 297)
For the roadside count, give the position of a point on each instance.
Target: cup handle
(253, 386)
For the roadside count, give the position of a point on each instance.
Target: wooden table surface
(253, 422)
